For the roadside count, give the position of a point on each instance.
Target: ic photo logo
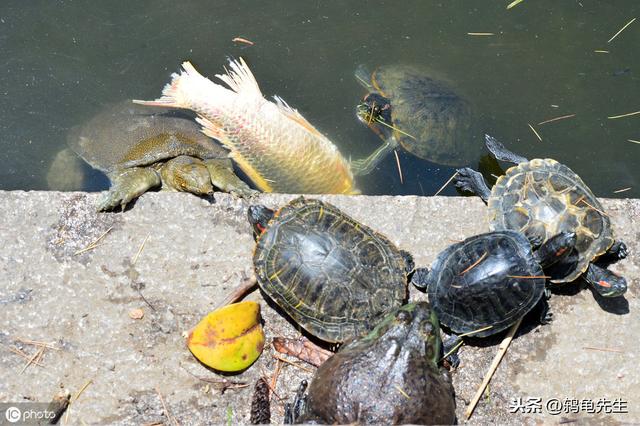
(13, 414)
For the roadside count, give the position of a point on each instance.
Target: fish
(271, 142)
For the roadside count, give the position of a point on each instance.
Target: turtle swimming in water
(487, 282)
(390, 376)
(425, 116)
(541, 198)
(331, 274)
(141, 148)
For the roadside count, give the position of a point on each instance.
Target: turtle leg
(605, 282)
(409, 264)
(471, 181)
(223, 177)
(500, 152)
(128, 184)
(617, 251)
(450, 346)
(365, 166)
(293, 412)
(421, 278)
(546, 316)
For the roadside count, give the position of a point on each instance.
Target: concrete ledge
(196, 251)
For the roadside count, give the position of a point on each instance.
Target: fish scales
(271, 142)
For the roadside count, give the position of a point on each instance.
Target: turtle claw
(114, 198)
(469, 180)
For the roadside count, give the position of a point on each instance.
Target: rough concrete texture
(195, 252)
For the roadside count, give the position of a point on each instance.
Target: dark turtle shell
(331, 274)
(435, 123)
(489, 279)
(542, 198)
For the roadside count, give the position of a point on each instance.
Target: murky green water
(62, 61)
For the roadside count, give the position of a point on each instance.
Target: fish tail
(240, 79)
(180, 91)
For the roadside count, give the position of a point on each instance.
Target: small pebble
(136, 314)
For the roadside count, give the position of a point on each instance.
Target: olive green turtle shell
(127, 135)
(541, 198)
(331, 274)
(437, 118)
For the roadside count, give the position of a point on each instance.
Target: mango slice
(230, 338)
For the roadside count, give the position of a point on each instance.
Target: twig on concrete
(75, 398)
(38, 343)
(135, 258)
(34, 359)
(94, 244)
(166, 410)
(292, 363)
(593, 348)
(502, 349)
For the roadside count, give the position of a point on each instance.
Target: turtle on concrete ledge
(541, 198)
(141, 148)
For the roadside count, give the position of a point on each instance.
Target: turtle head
(556, 249)
(375, 111)
(187, 174)
(259, 217)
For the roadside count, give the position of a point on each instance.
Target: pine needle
(621, 30)
(446, 183)
(534, 131)
(613, 117)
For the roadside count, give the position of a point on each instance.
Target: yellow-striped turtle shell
(332, 275)
(542, 198)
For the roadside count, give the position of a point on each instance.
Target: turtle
(390, 376)
(140, 148)
(542, 197)
(487, 282)
(332, 275)
(407, 107)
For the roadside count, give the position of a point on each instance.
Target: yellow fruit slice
(230, 338)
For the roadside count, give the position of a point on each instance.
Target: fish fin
(174, 94)
(212, 130)
(240, 79)
(294, 115)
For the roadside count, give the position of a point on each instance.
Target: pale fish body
(271, 142)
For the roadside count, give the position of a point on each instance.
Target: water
(63, 60)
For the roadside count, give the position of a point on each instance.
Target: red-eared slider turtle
(490, 280)
(541, 198)
(141, 148)
(331, 274)
(425, 116)
(390, 376)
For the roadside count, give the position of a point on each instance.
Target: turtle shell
(127, 135)
(331, 274)
(542, 198)
(436, 121)
(489, 279)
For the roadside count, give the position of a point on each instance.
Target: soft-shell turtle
(541, 198)
(490, 280)
(423, 115)
(140, 148)
(390, 376)
(331, 274)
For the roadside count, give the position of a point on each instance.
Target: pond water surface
(63, 61)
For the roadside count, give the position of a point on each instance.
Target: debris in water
(621, 30)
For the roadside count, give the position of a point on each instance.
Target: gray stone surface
(196, 251)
